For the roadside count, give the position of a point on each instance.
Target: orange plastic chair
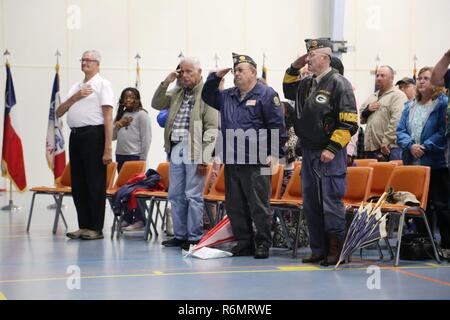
(382, 172)
(216, 197)
(277, 182)
(359, 180)
(398, 162)
(416, 180)
(291, 200)
(62, 189)
(155, 197)
(363, 162)
(128, 170)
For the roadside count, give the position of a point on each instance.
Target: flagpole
(216, 59)
(53, 206)
(137, 83)
(11, 206)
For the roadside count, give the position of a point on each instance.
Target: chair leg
(63, 218)
(297, 232)
(430, 234)
(399, 237)
(391, 252)
(280, 216)
(113, 227)
(209, 214)
(380, 251)
(31, 211)
(149, 209)
(164, 217)
(57, 212)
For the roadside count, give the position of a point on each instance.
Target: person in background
(421, 135)
(133, 132)
(408, 86)
(441, 77)
(381, 112)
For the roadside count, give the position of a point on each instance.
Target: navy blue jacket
(248, 141)
(121, 197)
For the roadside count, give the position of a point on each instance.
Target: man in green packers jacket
(326, 118)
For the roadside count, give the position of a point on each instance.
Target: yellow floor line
(277, 269)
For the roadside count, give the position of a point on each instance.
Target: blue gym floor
(40, 265)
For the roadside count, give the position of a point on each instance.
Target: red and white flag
(54, 146)
(13, 166)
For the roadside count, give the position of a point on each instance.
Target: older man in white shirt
(89, 116)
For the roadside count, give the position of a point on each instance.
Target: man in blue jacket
(253, 132)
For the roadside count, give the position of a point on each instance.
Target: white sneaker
(137, 226)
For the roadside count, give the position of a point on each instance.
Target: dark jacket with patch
(247, 125)
(327, 117)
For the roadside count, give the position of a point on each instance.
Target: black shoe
(174, 242)
(187, 244)
(240, 251)
(313, 259)
(262, 252)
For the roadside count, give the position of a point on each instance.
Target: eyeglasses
(313, 54)
(240, 70)
(88, 60)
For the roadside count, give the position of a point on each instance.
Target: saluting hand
(172, 76)
(300, 62)
(222, 72)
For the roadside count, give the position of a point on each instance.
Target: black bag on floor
(416, 246)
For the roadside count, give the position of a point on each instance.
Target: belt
(82, 129)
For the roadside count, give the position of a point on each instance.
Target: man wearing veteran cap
(408, 86)
(326, 118)
(252, 125)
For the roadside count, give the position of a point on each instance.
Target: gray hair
(95, 54)
(194, 61)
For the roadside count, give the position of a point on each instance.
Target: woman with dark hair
(421, 135)
(132, 130)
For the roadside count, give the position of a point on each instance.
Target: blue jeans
(186, 198)
(332, 219)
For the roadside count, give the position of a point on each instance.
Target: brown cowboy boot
(335, 248)
(313, 258)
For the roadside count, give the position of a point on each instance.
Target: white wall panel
(33, 29)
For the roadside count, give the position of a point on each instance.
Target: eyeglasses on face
(88, 60)
(239, 69)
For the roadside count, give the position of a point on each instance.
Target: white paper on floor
(207, 253)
